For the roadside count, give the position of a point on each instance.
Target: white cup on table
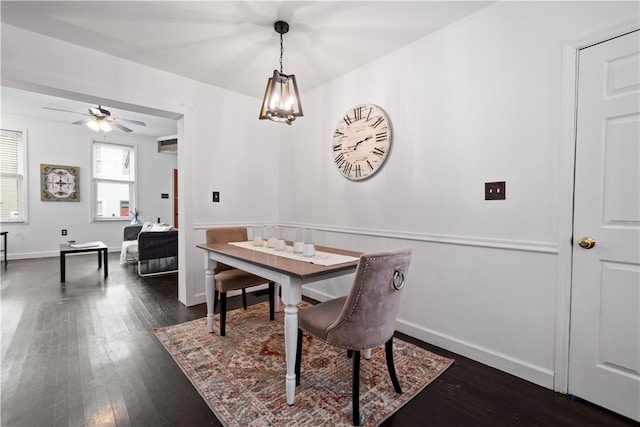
(269, 236)
(298, 241)
(257, 236)
(309, 250)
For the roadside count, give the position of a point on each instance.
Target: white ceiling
(232, 44)
(30, 104)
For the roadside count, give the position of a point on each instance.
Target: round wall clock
(361, 142)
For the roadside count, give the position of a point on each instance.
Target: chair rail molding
(481, 242)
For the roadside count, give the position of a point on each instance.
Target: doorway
(175, 198)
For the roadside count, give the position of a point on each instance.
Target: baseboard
(31, 255)
(517, 367)
(201, 298)
(47, 254)
(314, 294)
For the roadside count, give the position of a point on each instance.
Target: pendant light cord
(281, 52)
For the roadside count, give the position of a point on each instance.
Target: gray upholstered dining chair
(227, 278)
(363, 319)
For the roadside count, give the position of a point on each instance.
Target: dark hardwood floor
(83, 353)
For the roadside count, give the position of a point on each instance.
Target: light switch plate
(495, 190)
(216, 197)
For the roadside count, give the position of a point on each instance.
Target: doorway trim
(567, 154)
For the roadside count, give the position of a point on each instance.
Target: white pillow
(146, 226)
(161, 227)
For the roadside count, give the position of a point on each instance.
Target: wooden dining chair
(227, 278)
(363, 319)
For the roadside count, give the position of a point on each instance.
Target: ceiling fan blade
(119, 126)
(66, 111)
(83, 121)
(134, 122)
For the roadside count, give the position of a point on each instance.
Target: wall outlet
(495, 190)
(216, 197)
(64, 231)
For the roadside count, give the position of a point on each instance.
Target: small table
(289, 274)
(99, 247)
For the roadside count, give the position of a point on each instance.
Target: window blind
(11, 169)
(114, 162)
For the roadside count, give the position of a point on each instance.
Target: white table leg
(291, 296)
(209, 285)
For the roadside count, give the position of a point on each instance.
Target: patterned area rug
(241, 375)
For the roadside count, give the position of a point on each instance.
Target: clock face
(361, 142)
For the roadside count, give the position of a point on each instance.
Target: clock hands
(360, 142)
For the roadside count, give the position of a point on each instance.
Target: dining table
(289, 271)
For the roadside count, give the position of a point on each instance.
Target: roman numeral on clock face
(381, 136)
(357, 113)
(347, 120)
(378, 122)
(378, 152)
(346, 169)
(337, 147)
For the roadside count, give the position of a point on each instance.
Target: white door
(604, 354)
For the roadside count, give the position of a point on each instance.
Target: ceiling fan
(101, 119)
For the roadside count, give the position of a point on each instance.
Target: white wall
(479, 101)
(70, 145)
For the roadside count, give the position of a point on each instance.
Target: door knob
(586, 242)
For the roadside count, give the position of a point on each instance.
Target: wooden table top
(300, 269)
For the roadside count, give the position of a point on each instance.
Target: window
(114, 180)
(13, 177)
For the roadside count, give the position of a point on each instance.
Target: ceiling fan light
(94, 125)
(98, 125)
(105, 126)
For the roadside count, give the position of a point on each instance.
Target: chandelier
(281, 100)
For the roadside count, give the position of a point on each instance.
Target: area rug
(241, 375)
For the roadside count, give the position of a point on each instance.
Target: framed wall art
(59, 183)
